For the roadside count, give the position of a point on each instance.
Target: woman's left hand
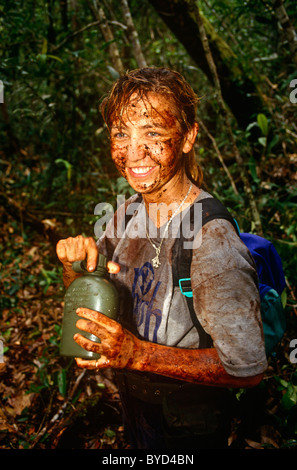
(116, 347)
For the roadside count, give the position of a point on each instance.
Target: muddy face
(148, 144)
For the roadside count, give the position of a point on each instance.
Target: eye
(153, 134)
(119, 135)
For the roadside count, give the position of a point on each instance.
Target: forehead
(155, 107)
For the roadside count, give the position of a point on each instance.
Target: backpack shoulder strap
(181, 259)
(212, 209)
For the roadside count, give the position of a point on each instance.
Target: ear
(190, 138)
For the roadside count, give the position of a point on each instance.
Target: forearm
(69, 275)
(200, 366)
(120, 349)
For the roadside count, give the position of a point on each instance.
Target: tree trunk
(238, 91)
(51, 33)
(289, 31)
(107, 33)
(64, 14)
(225, 114)
(133, 35)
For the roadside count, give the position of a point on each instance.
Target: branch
(75, 33)
(22, 215)
(219, 155)
(107, 33)
(57, 417)
(226, 117)
(289, 31)
(133, 35)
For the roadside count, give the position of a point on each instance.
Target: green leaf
(68, 167)
(263, 123)
(262, 141)
(253, 169)
(250, 126)
(55, 57)
(289, 399)
(273, 142)
(44, 46)
(109, 433)
(62, 384)
(284, 297)
(41, 58)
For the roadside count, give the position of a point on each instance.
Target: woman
(171, 388)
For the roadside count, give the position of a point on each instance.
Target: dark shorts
(188, 417)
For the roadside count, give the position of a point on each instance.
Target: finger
(86, 364)
(98, 318)
(71, 249)
(92, 328)
(61, 251)
(91, 254)
(101, 363)
(112, 267)
(90, 314)
(75, 248)
(87, 344)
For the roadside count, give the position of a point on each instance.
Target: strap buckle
(186, 287)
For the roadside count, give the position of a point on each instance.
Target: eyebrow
(146, 126)
(154, 126)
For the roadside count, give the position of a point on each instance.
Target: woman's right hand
(78, 249)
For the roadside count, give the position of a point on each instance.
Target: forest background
(58, 59)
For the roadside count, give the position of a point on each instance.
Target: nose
(135, 150)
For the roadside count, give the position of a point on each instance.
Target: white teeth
(142, 169)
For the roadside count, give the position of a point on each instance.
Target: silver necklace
(156, 261)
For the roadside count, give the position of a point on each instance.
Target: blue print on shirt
(144, 293)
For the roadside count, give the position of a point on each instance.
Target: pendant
(156, 262)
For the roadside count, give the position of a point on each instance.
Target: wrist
(68, 274)
(138, 354)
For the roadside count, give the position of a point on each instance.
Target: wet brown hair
(156, 80)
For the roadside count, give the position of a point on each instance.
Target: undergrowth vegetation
(56, 65)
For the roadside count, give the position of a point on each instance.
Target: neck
(161, 204)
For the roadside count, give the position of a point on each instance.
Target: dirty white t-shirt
(224, 284)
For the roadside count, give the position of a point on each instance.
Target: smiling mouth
(141, 171)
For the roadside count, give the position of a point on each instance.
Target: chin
(142, 187)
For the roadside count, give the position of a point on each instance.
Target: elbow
(255, 380)
(250, 382)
